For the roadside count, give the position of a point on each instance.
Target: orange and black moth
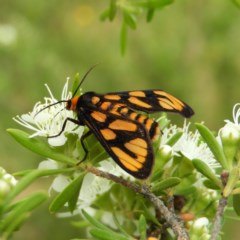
(117, 122)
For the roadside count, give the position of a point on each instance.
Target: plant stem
(218, 217)
(175, 222)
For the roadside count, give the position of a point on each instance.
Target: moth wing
(151, 101)
(126, 141)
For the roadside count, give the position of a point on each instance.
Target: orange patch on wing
(124, 110)
(105, 105)
(137, 94)
(112, 97)
(95, 100)
(136, 101)
(149, 123)
(170, 100)
(123, 125)
(133, 115)
(100, 117)
(166, 104)
(108, 134)
(136, 149)
(139, 142)
(128, 161)
(141, 119)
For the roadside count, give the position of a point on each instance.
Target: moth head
(71, 104)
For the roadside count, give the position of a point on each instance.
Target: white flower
(49, 122)
(92, 186)
(231, 130)
(189, 145)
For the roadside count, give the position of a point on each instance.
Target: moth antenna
(84, 77)
(50, 105)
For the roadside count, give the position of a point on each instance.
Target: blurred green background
(190, 49)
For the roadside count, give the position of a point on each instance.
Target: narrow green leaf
(130, 20)
(212, 143)
(69, 194)
(107, 234)
(18, 212)
(75, 84)
(153, 4)
(236, 203)
(142, 225)
(150, 14)
(172, 140)
(156, 175)
(14, 226)
(39, 147)
(237, 3)
(105, 15)
(93, 221)
(210, 184)
(112, 9)
(149, 214)
(30, 178)
(75, 193)
(203, 168)
(166, 183)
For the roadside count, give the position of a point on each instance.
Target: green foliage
(130, 11)
(174, 176)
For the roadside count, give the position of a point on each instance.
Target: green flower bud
(230, 137)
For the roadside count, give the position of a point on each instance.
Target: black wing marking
(150, 101)
(126, 141)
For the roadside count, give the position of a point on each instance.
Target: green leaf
(75, 84)
(69, 194)
(210, 184)
(105, 15)
(156, 175)
(203, 168)
(150, 14)
(172, 140)
(166, 183)
(39, 146)
(18, 213)
(93, 221)
(236, 203)
(149, 215)
(153, 4)
(237, 3)
(28, 179)
(108, 234)
(130, 20)
(214, 146)
(142, 225)
(112, 9)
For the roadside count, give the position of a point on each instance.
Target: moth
(116, 120)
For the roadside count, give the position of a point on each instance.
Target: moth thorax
(72, 104)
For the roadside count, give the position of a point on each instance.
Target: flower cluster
(49, 122)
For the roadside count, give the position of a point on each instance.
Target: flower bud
(230, 137)
(7, 182)
(165, 153)
(199, 229)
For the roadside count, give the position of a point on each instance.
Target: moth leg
(87, 134)
(64, 126)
